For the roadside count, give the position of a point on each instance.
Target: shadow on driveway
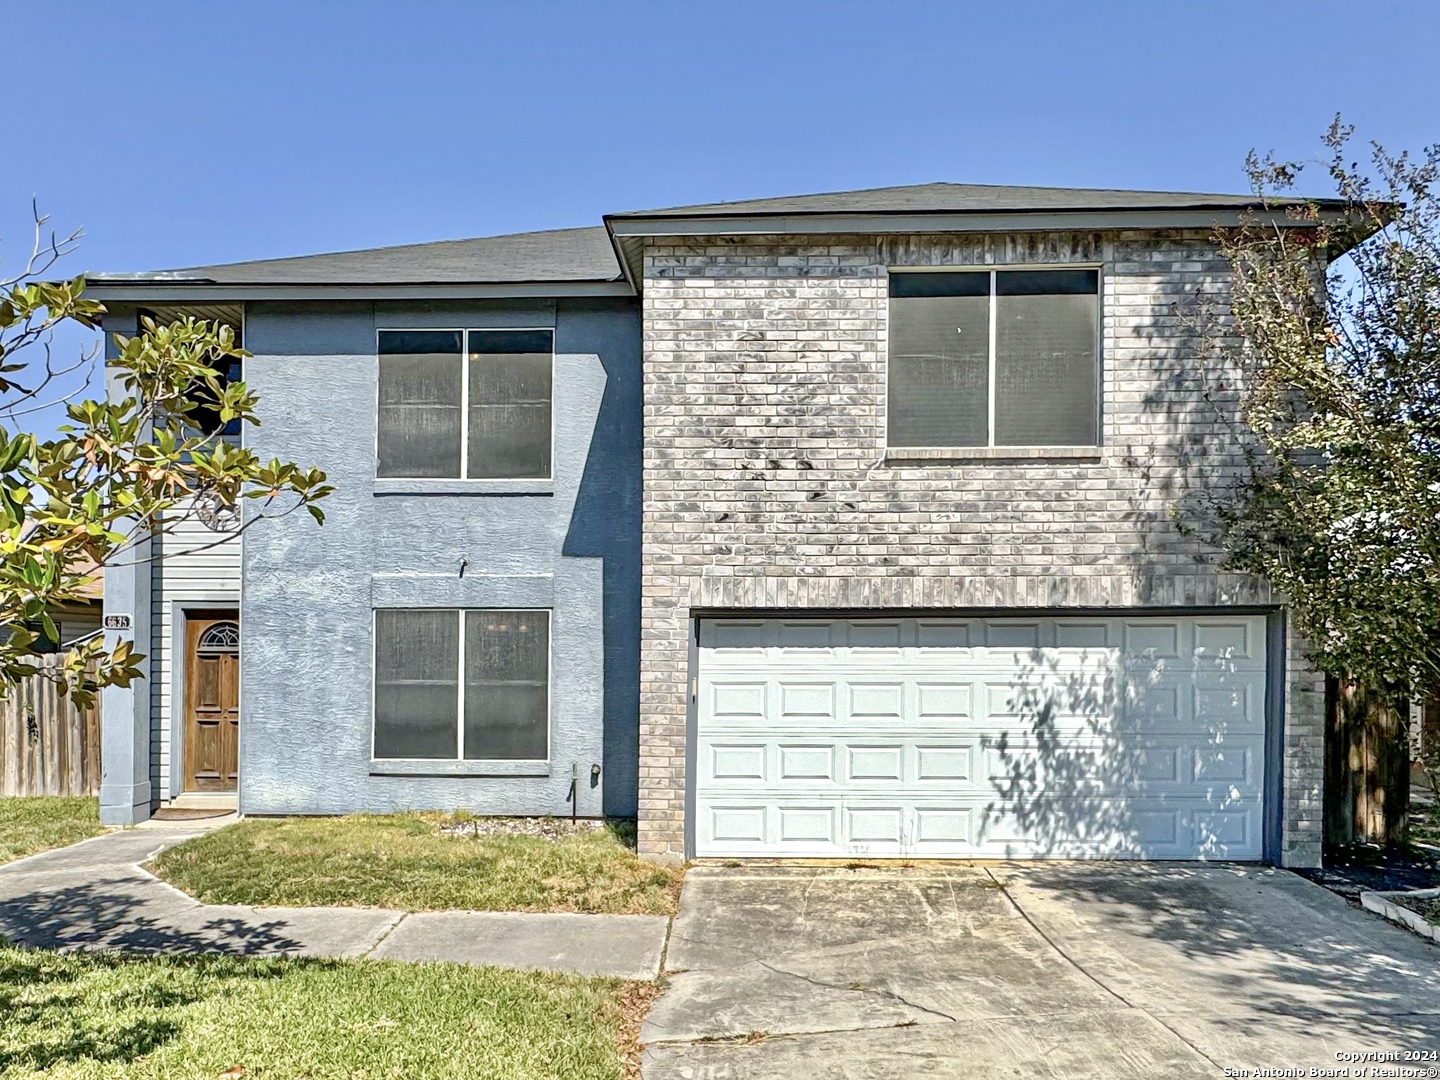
(1073, 970)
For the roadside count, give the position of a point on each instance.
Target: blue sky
(179, 134)
(188, 133)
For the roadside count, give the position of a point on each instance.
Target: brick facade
(767, 484)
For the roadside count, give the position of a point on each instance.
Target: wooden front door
(212, 703)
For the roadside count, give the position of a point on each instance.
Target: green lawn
(404, 861)
(103, 1015)
(28, 825)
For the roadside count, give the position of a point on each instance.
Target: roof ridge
(933, 184)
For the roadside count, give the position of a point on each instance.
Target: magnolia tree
(120, 472)
(1340, 507)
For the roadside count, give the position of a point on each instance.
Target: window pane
(205, 416)
(507, 684)
(1047, 282)
(417, 694)
(510, 403)
(1046, 382)
(420, 375)
(963, 283)
(939, 368)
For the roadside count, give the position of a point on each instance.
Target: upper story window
(994, 358)
(465, 405)
(204, 417)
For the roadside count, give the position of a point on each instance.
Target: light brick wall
(766, 483)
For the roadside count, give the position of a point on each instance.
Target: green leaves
(1340, 508)
(119, 472)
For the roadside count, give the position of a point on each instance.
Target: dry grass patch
(421, 862)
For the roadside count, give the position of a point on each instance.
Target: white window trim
(990, 450)
(460, 758)
(464, 331)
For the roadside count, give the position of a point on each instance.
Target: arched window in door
(219, 639)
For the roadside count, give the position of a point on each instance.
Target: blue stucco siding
(308, 591)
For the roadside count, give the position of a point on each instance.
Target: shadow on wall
(605, 524)
(1084, 728)
(1185, 444)
(1087, 766)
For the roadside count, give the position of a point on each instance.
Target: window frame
(462, 477)
(460, 760)
(990, 448)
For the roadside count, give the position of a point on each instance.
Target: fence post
(1367, 767)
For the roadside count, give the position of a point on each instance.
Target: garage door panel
(808, 825)
(1231, 763)
(942, 700)
(738, 636)
(806, 762)
(811, 830)
(878, 700)
(736, 700)
(1152, 639)
(1084, 634)
(1013, 635)
(734, 762)
(806, 700)
(1225, 830)
(807, 634)
(941, 636)
(1071, 766)
(1233, 707)
(867, 636)
(1224, 639)
(875, 829)
(943, 764)
(1082, 737)
(1140, 668)
(944, 832)
(883, 764)
(1046, 699)
(1175, 764)
(1161, 765)
(734, 826)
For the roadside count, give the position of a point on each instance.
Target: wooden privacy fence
(47, 746)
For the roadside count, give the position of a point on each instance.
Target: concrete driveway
(1050, 970)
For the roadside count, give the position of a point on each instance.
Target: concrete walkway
(94, 895)
(1074, 971)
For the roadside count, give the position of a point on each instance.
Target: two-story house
(834, 525)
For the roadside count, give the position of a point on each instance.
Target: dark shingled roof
(958, 198)
(587, 256)
(555, 255)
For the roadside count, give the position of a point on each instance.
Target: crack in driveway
(1080, 970)
(860, 989)
(1093, 978)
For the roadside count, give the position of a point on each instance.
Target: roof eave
(141, 289)
(629, 230)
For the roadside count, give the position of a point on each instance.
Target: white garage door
(1062, 737)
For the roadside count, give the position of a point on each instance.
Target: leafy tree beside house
(120, 471)
(1340, 509)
